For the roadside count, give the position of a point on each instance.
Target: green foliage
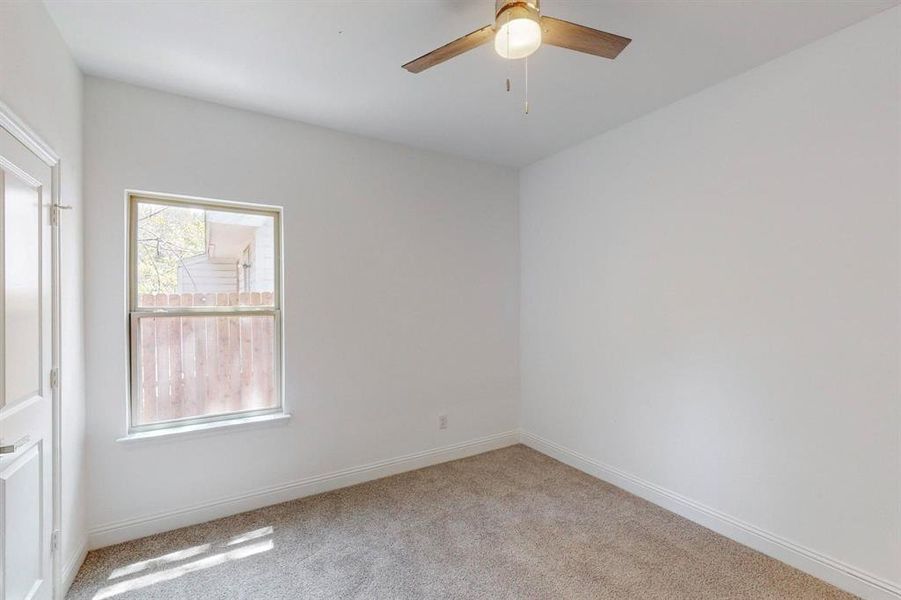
(167, 235)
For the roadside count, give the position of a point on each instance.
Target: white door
(26, 442)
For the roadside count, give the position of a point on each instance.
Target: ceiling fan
(518, 30)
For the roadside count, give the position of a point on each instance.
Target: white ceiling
(338, 64)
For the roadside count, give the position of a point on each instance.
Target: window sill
(203, 428)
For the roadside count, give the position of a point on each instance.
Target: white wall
(401, 300)
(41, 84)
(710, 298)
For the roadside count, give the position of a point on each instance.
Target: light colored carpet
(511, 523)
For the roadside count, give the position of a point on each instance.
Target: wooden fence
(193, 366)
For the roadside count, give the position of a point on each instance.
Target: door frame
(24, 134)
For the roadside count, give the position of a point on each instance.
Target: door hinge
(54, 541)
(54, 213)
(54, 378)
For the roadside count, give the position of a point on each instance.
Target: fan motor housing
(513, 9)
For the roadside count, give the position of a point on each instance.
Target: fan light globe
(517, 38)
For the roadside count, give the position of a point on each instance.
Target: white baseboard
(123, 531)
(826, 568)
(70, 569)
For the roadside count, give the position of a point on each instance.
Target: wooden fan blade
(581, 39)
(448, 51)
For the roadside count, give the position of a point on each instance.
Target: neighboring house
(239, 256)
(206, 274)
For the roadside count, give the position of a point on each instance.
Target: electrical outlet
(442, 421)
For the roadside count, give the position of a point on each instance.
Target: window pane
(204, 252)
(203, 366)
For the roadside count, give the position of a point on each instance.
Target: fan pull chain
(526, 106)
(508, 49)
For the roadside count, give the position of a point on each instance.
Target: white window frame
(136, 312)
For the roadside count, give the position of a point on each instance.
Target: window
(204, 311)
